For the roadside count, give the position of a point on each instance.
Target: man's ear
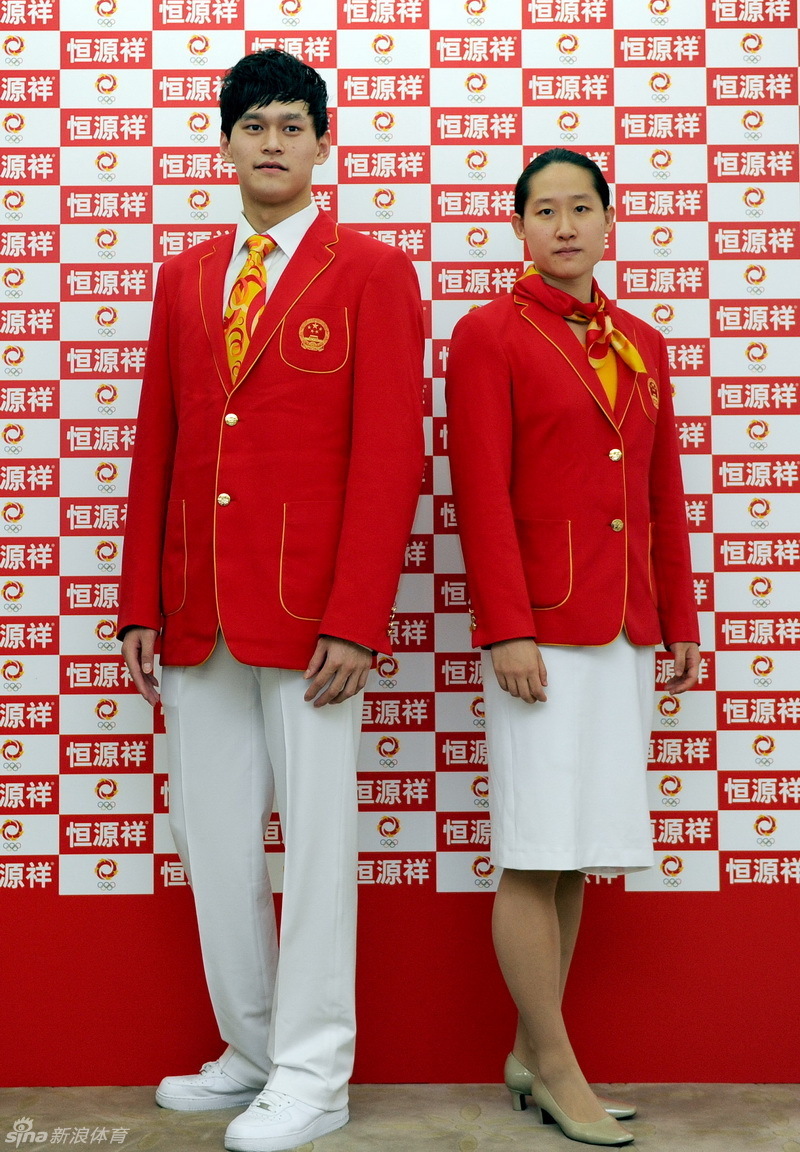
(323, 148)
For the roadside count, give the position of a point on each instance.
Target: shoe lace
(271, 1100)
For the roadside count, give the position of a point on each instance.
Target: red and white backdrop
(110, 165)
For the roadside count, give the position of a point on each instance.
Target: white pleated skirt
(567, 777)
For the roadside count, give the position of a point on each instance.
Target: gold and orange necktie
(246, 301)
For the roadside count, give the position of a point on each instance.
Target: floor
(415, 1118)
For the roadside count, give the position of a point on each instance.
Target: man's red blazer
(571, 515)
(277, 509)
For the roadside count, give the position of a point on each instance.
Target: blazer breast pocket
(315, 338)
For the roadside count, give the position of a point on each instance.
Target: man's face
(275, 150)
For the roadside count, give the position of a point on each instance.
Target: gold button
(223, 499)
(231, 419)
(617, 525)
(615, 454)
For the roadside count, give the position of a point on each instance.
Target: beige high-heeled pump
(608, 1131)
(519, 1079)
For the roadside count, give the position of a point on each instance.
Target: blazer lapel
(627, 378)
(213, 266)
(571, 349)
(316, 251)
(626, 386)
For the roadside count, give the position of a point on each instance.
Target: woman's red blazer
(571, 515)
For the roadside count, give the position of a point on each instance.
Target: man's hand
(687, 667)
(520, 670)
(337, 670)
(138, 647)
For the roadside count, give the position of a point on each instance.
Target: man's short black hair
(559, 156)
(262, 77)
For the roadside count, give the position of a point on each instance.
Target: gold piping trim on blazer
(316, 619)
(224, 375)
(185, 564)
(627, 540)
(634, 388)
(606, 644)
(620, 417)
(223, 425)
(624, 412)
(316, 371)
(552, 607)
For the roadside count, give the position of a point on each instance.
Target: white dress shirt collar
(287, 235)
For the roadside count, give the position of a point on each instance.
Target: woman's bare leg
(535, 925)
(569, 905)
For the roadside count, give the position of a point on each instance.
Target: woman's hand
(686, 659)
(520, 670)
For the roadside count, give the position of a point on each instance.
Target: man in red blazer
(263, 550)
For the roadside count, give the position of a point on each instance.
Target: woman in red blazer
(569, 501)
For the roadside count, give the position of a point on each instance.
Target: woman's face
(565, 227)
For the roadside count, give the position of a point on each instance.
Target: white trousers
(237, 737)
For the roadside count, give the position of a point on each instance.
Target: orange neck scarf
(601, 335)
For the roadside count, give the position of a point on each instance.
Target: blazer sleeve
(151, 473)
(670, 552)
(386, 455)
(480, 447)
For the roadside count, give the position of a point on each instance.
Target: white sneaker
(275, 1122)
(209, 1088)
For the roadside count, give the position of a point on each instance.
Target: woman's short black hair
(559, 156)
(258, 79)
